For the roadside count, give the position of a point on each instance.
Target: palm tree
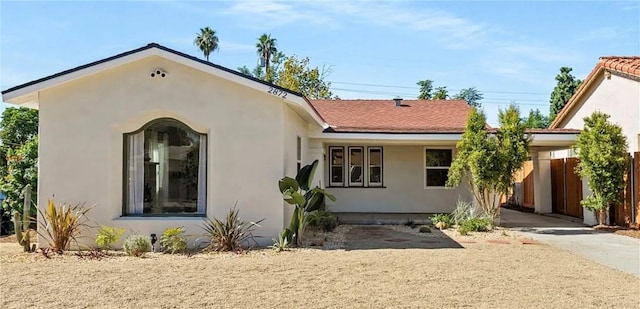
(206, 41)
(266, 47)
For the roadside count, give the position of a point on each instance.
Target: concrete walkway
(615, 251)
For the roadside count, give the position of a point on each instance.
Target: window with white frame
(165, 166)
(356, 165)
(336, 166)
(298, 153)
(361, 167)
(375, 166)
(437, 164)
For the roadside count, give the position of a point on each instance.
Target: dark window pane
(437, 177)
(299, 148)
(375, 156)
(375, 174)
(336, 157)
(438, 157)
(356, 174)
(355, 156)
(336, 174)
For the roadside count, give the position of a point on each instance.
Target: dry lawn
(482, 275)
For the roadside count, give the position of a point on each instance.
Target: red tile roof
(624, 65)
(382, 116)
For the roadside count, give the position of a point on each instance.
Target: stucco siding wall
(618, 97)
(294, 126)
(81, 142)
(404, 192)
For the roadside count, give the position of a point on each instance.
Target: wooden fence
(566, 187)
(627, 213)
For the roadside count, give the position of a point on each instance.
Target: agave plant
(298, 192)
(62, 224)
(228, 234)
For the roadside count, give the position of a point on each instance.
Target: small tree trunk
(602, 216)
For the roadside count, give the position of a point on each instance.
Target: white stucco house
(612, 87)
(155, 138)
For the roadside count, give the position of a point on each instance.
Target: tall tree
(441, 93)
(18, 156)
(426, 87)
(602, 150)
(565, 88)
(297, 75)
(471, 95)
(207, 41)
(536, 120)
(266, 47)
(488, 161)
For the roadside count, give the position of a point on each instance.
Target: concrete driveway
(615, 251)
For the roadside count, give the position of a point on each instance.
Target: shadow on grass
(365, 237)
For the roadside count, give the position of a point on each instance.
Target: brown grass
(481, 275)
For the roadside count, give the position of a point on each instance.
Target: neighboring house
(156, 138)
(612, 87)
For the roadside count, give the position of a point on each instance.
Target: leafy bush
(228, 234)
(322, 220)
(62, 224)
(475, 225)
(107, 236)
(280, 244)
(441, 221)
(172, 240)
(464, 210)
(137, 245)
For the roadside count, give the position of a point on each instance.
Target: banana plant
(298, 192)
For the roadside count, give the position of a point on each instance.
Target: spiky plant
(62, 224)
(229, 234)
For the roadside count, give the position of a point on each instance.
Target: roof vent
(398, 101)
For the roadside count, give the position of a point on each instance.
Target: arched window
(165, 168)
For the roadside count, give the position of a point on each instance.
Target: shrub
(475, 225)
(322, 220)
(441, 221)
(107, 236)
(464, 210)
(172, 240)
(62, 224)
(280, 244)
(137, 245)
(228, 234)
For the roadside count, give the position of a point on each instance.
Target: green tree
(207, 41)
(565, 88)
(21, 170)
(488, 161)
(426, 87)
(603, 152)
(441, 93)
(244, 70)
(536, 120)
(266, 47)
(297, 75)
(471, 95)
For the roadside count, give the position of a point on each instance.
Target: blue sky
(510, 50)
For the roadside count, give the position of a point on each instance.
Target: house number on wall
(277, 92)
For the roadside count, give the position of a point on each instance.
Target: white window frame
(331, 165)
(426, 168)
(362, 167)
(369, 165)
